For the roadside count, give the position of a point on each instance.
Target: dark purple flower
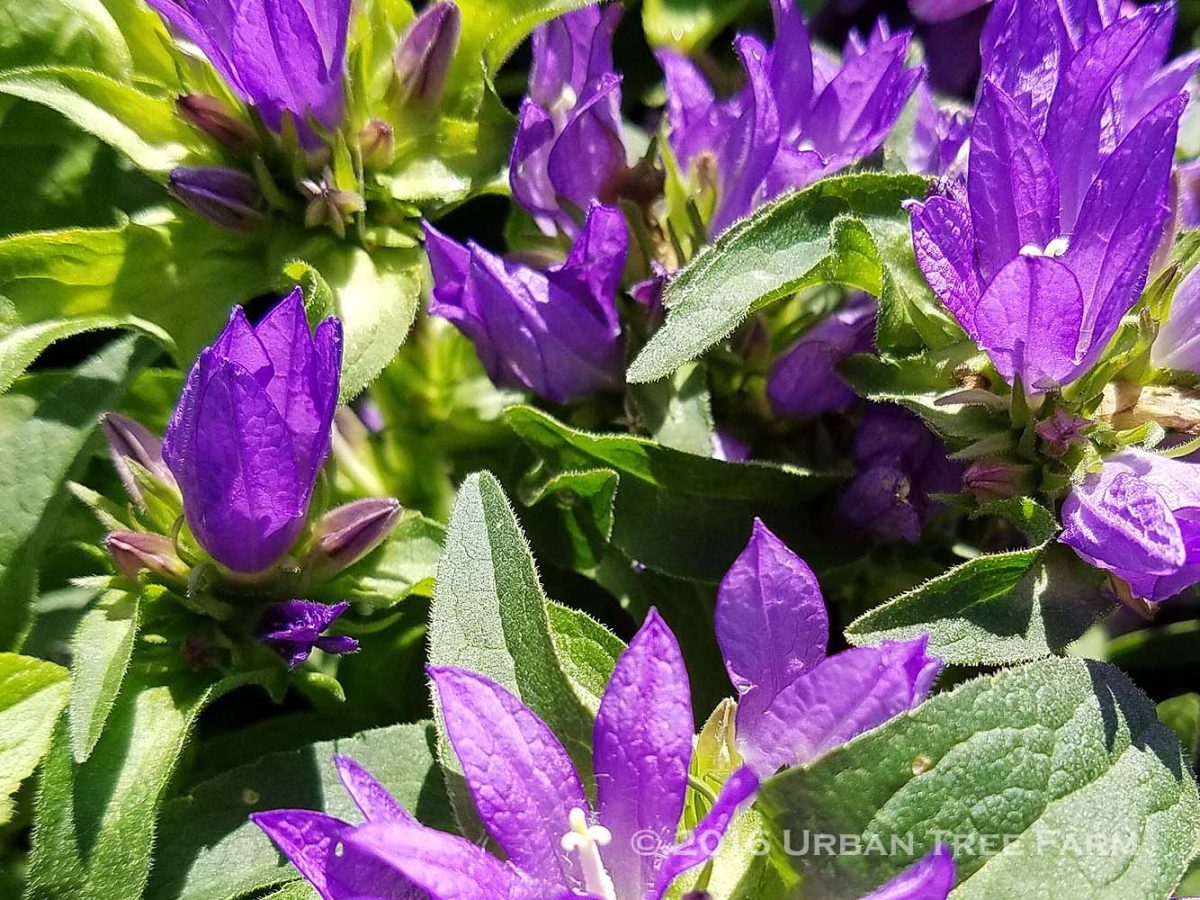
(795, 703)
(425, 54)
(1177, 345)
(938, 137)
(989, 480)
(1041, 285)
(225, 197)
(529, 796)
(900, 463)
(943, 10)
(804, 380)
(280, 56)
(553, 332)
(252, 430)
(1061, 431)
(796, 120)
(929, 878)
(294, 627)
(1139, 518)
(569, 145)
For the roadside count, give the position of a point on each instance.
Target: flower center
(587, 840)
(1056, 247)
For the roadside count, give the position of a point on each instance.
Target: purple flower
(1177, 345)
(568, 147)
(1189, 193)
(294, 627)
(929, 878)
(804, 380)
(1039, 286)
(531, 799)
(424, 56)
(225, 197)
(1083, 75)
(280, 56)
(252, 430)
(943, 10)
(796, 120)
(1139, 518)
(938, 136)
(1061, 431)
(795, 703)
(553, 332)
(901, 463)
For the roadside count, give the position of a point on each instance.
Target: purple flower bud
(569, 146)
(215, 119)
(804, 380)
(377, 141)
(1177, 345)
(989, 481)
(1061, 431)
(283, 57)
(135, 551)
(348, 533)
(252, 430)
(293, 628)
(225, 197)
(131, 441)
(900, 464)
(556, 332)
(1137, 518)
(425, 54)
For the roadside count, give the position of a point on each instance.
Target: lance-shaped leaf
(823, 234)
(32, 694)
(100, 655)
(1057, 772)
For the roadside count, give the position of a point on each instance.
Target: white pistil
(587, 840)
(1056, 247)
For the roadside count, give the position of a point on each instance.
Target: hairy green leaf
(1054, 774)
(100, 655)
(32, 694)
(994, 609)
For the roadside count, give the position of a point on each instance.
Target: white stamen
(1056, 247)
(587, 840)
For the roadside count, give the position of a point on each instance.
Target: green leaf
(48, 423)
(490, 615)
(687, 25)
(208, 849)
(817, 235)
(677, 411)
(1061, 766)
(676, 512)
(377, 299)
(145, 128)
(1182, 715)
(95, 822)
(79, 32)
(994, 609)
(174, 281)
(587, 650)
(32, 694)
(100, 655)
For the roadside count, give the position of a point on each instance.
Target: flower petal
(944, 243)
(643, 747)
(523, 783)
(849, 693)
(1029, 321)
(702, 843)
(771, 620)
(1011, 187)
(307, 839)
(373, 800)
(929, 878)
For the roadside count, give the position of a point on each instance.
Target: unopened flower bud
(377, 141)
(425, 54)
(215, 119)
(130, 441)
(348, 533)
(135, 551)
(989, 481)
(225, 197)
